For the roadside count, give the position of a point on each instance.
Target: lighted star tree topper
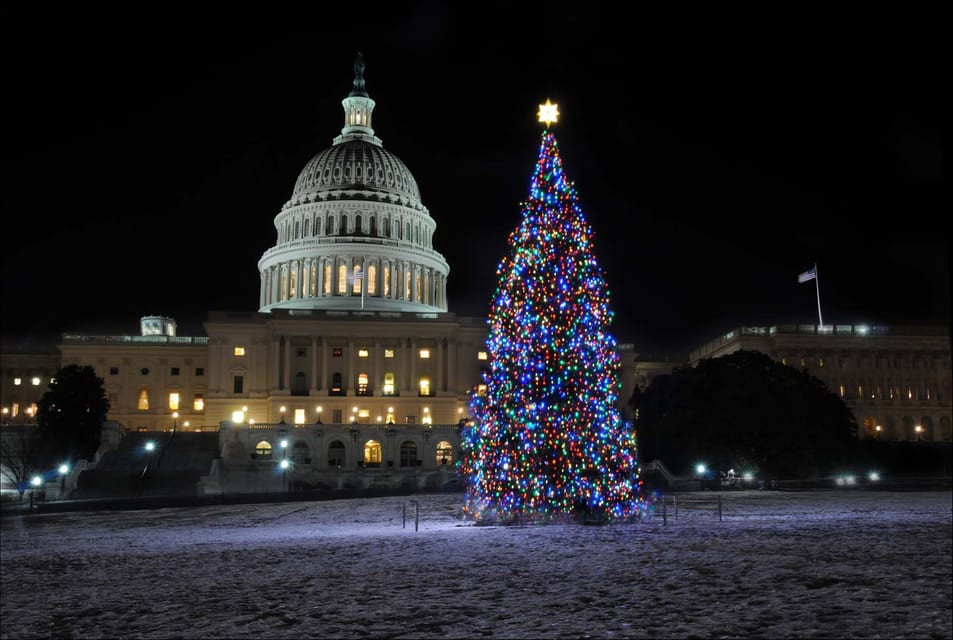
(546, 438)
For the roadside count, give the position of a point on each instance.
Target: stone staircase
(174, 467)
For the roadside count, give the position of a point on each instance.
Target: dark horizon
(713, 164)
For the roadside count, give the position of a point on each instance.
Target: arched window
(327, 278)
(408, 454)
(372, 453)
(425, 386)
(337, 386)
(317, 226)
(371, 280)
(358, 225)
(300, 385)
(143, 404)
(373, 226)
(357, 279)
(342, 279)
(386, 227)
(362, 387)
(444, 452)
(343, 230)
(388, 389)
(263, 449)
(300, 453)
(336, 454)
(330, 225)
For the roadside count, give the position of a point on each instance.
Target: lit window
(842, 391)
(198, 403)
(362, 384)
(388, 353)
(424, 354)
(388, 384)
(263, 449)
(444, 452)
(372, 452)
(363, 413)
(372, 280)
(15, 410)
(386, 281)
(425, 386)
(299, 416)
(342, 279)
(143, 400)
(17, 382)
(239, 351)
(481, 355)
(820, 362)
(427, 418)
(357, 278)
(35, 381)
(174, 401)
(362, 353)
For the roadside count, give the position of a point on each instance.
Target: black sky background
(716, 156)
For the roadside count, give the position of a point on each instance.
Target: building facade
(895, 380)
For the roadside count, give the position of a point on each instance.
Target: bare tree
(19, 455)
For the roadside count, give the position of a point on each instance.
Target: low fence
(705, 504)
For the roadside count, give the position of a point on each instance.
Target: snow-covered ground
(829, 564)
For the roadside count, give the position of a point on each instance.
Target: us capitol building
(353, 373)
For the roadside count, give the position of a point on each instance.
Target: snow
(838, 563)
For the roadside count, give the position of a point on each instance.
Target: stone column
(314, 364)
(324, 363)
(286, 383)
(276, 362)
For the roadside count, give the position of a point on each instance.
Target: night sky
(716, 156)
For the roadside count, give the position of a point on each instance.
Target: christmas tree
(546, 438)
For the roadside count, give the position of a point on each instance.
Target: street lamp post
(919, 431)
(284, 464)
(282, 414)
(64, 469)
(284, 475)
(35, 483)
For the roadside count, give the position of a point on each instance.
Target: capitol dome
(356, 165)
(354, 235)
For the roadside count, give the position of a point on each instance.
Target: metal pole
(416, 516)
(719, 508)
(817, 286)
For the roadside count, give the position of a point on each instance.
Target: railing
(705, 504)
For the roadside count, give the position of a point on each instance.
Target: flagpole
(817, 285)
